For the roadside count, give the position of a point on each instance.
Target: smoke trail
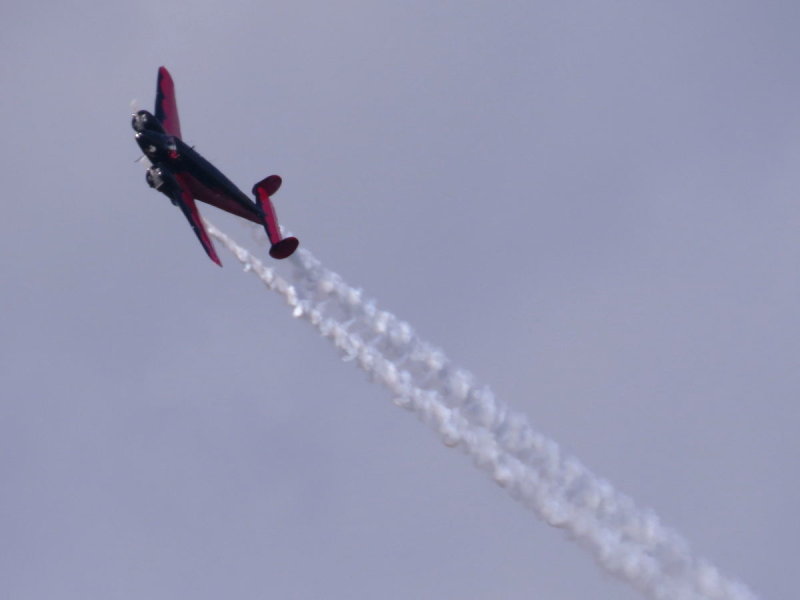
(627, 541)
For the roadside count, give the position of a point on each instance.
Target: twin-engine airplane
(179, 172)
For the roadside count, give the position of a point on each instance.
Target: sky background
(592, 206)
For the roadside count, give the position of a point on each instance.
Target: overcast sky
(593, 206)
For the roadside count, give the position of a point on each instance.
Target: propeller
(143, 160)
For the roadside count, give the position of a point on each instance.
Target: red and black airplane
(179, 172)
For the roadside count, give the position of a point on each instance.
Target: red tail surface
(281, 248)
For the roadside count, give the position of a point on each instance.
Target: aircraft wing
(166, 106)
(181, 197)
(189, 209)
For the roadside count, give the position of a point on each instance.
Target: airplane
(179, 172)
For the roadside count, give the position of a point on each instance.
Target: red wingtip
(284, 248)
(166, 106)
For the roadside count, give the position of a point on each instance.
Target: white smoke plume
(627, 541)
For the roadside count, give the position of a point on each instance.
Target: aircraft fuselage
(172, 156)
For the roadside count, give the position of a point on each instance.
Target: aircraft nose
(147, 142)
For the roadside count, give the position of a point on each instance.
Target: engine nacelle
(145, 121)
(155, 178)
(162, 180)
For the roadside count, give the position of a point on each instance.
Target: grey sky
(591, 206)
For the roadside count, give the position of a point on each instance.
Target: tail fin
(284, 248)
(281, 248)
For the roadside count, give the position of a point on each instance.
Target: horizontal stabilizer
(280, 248)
